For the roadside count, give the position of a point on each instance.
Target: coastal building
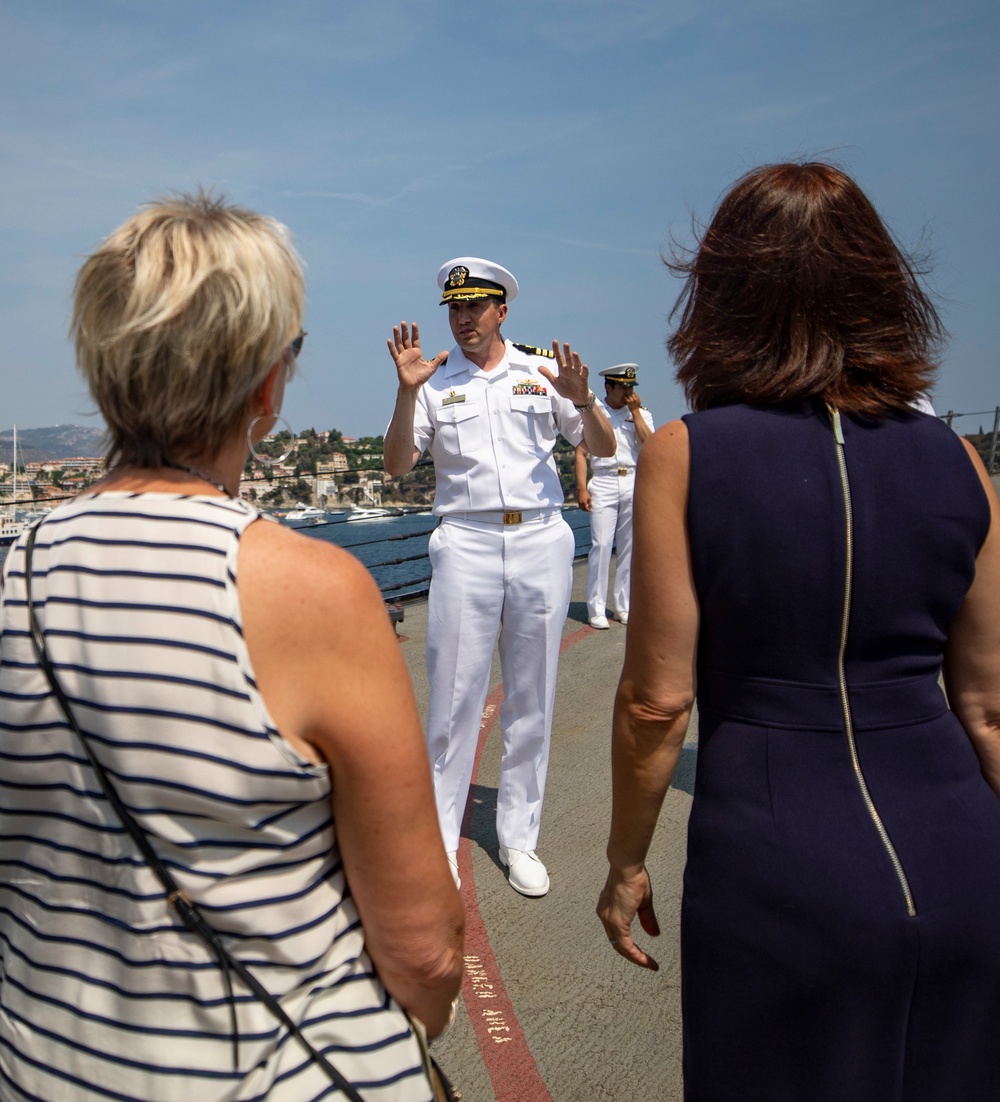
(369, 490)
(45, 467)
(336, 462)
(85, 465)
(326, 492)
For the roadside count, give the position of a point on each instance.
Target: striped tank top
(103, 993)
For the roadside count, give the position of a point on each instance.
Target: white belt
(613, 472)
(502, 517)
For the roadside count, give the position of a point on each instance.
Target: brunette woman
(810, 554)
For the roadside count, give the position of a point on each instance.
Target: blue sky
(570, 140)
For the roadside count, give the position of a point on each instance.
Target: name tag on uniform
(452, 399)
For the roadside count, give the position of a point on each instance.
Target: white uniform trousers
(610, 522)
(485, 578)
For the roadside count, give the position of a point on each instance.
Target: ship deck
(548, 1010)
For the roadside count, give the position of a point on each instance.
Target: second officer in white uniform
(502, 558)
(608, 495)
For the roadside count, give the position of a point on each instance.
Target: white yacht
(369, 514)
(302, 515)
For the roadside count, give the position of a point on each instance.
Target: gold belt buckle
(622, 471)
(512, 517)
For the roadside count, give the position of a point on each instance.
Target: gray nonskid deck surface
(597, 1028)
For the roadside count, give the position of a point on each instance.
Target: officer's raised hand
(411, 367)
(572, 383)
(572, 380)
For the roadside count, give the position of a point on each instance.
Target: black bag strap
(186, 910)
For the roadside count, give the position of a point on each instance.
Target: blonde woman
(241, 688)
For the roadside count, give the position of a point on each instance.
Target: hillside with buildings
(322, 467)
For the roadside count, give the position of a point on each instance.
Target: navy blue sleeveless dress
(840, 925)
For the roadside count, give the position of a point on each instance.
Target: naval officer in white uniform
(608, 495)
(502, 557)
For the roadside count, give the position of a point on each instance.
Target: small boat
(303, 515)
(368, 514)
(308, 516)
(29, 516)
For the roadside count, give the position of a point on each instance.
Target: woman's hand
(622, 899)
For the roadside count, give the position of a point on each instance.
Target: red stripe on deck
(511, 1067)
(504, 1048)
(580, 633)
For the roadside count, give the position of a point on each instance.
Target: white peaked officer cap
(621, 373)
(469, 277)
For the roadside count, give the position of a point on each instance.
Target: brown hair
(798, 291)
(177, 317)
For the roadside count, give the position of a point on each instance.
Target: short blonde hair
(177, 319)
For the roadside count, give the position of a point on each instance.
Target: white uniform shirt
(491, 433)
(627, 454)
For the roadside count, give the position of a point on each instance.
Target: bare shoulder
(666, 454)
(988, 560)
(285, 570)
(323, 650)
(984, 478)
(671, 437)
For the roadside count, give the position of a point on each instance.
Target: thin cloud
(605, 247)
(338, 196)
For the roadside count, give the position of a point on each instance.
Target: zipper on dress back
(845, 702)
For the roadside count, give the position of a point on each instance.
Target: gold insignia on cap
(620, 373)
(457, 276)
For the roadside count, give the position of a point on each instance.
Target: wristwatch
(589, 404)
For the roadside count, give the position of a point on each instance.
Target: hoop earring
(270, 460)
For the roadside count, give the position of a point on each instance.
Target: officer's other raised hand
(411, 367)
(571, 382)
(634, 402)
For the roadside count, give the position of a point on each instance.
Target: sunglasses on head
(296, 346)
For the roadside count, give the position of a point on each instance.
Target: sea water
(395, 548)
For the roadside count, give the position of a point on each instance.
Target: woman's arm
(328, 665)
(656, 692)
(972, 653)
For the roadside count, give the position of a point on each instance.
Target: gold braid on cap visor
(470, 292)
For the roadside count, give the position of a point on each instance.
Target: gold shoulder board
(533, 351)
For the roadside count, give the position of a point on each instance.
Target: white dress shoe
(453, 864)
(527, 874)
(622, 617)
(599, 622)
